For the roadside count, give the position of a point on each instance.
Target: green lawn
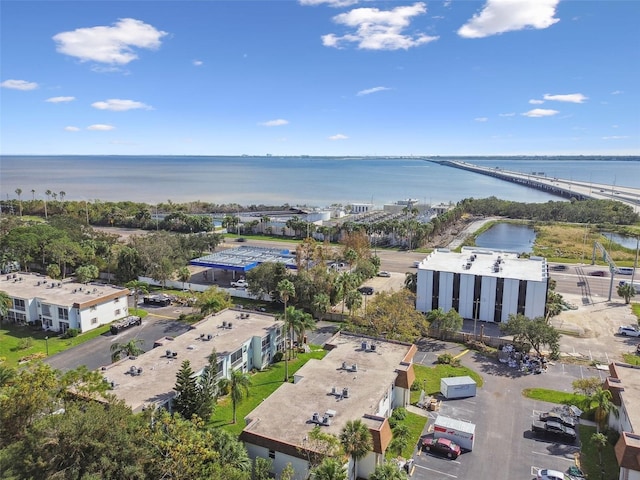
(428, 378)
(264, 383)
(22, 343)
(590, 460)
(17, 342)
(416, 424)
(554, 396)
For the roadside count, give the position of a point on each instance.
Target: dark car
(559, 268)
(366, 290)
(565, 420)
(598, 273)
(441, 446)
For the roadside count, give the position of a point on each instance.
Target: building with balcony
(360, 378)
(58, 305)
(242, 341)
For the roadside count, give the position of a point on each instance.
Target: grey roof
(244, 258)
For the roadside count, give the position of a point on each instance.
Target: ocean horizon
(301, 180)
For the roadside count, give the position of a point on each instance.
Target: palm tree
(5, 304)
(321, 303)
(286, 290)
(330, 469)
(184, 275)
(130, 349)
(33, 194)
(602, 398)
(237, 386)
(388, 471)
(411, 282)
(401, 436)
(47, 194)
(303, 322)
(626, 291)
(138, 287)
(356, 441)
(19, 193)
(600, 441)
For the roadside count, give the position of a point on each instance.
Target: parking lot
(504, 447)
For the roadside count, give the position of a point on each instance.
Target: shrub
(25, 343)
(448, 359)
(71, 333)
(399, 413)
(277, 357)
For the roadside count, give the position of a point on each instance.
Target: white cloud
(338, 136)
(376, 29)
(109, 44)
(117, 105)
(198, 63)
(500, 16)
(534, 101)
(571, 98)
(72, 129)
(615, 137)
(99, 127)
(330, 3)
(19, 85)
(507, 115)
(481, 119)
(617, 92)
(274, 123)
(369, 91)
(540, 112)
(60, 99)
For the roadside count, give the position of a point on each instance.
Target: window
(93, 308)
(235, 356)
(94, 320)
(116, 300)
(46, 310)
(18, 304)
(117, 313)
(272, 454)
(63, 313)
(266, 341)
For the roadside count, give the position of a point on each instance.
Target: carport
(243, 259)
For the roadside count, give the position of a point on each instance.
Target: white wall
(536, 299)
(445, 292)
(488, 299)
(423, 291)
(104, 312)
(510, 298)
(280, 461)
(467, 284)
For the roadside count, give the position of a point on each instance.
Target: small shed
(458, 387)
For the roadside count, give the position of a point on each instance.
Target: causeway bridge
(555, 186)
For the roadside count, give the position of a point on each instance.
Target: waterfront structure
(361, 207)
(242, 340)
(482, 284)
(359, 378)
(58, 305)
(624, 384)
(243, 259)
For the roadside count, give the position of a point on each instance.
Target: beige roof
(285, 416)
(155, 384)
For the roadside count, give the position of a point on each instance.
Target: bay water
(308, 181)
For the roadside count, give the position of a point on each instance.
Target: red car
(598, 273)
(442, 446)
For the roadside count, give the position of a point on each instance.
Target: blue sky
(320, 77)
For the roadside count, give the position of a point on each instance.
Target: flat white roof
(312, 391)
(481, 262)
(458, 380)
(155, 384)
(56, 292)
(460, 425)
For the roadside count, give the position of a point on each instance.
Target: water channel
(508, 236)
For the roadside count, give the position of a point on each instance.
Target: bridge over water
(555, 186)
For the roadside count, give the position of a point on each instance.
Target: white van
(625, 270)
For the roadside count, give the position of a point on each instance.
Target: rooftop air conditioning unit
(326, 420)
(334, 391)
(344, 365)
(354, 367)
(345, 392)
(364, 345)
(373, 347)
(315, 417)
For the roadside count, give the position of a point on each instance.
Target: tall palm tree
(286, 290)
(602, 398)
(130, 348)
(19, 193)
(5, 304)
(47, 194)
(138, 287)
(33, 194)
(238, 387)
(356, 441)
(184, 275)
(301, 322)
(330, 469)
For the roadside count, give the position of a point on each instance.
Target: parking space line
(572, 460)
(436, 471)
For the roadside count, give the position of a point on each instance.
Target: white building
(624, 384)
(359, 378)
(242, 340)
(59, 305)
(482, 284)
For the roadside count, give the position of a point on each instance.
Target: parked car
(441, 446)
(598, 273)
(366, 290)
(547, 474)
(559, 268)
(240, 284)
(565, 420)
(629, 331)
(384, 274)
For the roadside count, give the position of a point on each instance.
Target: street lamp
(46, 344)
